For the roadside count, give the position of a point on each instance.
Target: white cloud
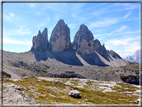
(55, 6)
(122, 42)
(96, 6)
(104, 22)
(133, 47)
(72, 26)
(119, 30)
(38, 26)
(11, 14)
(21, 31)
(128, 14)
(117, 42)
(124, 54)
(31, 5)
(127, 46)
(132, 32)
(7, 40)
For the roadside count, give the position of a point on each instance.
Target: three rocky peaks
(83, 43)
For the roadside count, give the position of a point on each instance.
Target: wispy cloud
(7, 40)
(55, 7)
(76, 10)
(133, 47)
(127, 6)
(129, 45)
(31, 4)
(104, 22)
(122, 42)
(38, 26)
(126, 16)
(11, 14)
(9, 17)
(21, 31)
(72, 26)
(95, 6)
(119, 30)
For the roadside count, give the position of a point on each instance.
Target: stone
(83, 41)
(60, 37)
(138, 101)
(75, 94)
(99, 48)
(40, 42)
(114, 54)
(12, 95)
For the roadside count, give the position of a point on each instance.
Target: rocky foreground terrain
(46, 90)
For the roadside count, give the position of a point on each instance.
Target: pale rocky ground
(12, 96)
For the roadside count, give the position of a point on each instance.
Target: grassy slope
(56, 92)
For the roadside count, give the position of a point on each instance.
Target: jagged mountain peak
(61, 21)
(60, 37)
(83, 40)
(40, 42)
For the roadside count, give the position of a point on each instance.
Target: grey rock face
(60, 37)
(114, 54)
(83, 40)
(40, 42)
(99, 48)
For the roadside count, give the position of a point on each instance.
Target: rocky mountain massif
(84, 58)
(83, 51)
(135, 57)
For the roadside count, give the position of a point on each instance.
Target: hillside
(45, 90)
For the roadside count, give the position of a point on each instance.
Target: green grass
(20, 58)
(122, 87)
(91, 96)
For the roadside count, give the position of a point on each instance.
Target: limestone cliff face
(99, 48)
(60, 37)
(40, 42)
(83, 41)
(114, 54)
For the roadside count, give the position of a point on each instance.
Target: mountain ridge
(135, 57)
(83, 43)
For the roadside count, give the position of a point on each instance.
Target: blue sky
(115, 24)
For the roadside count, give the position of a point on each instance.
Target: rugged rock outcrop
(14, 94)
(114, 54)
(60, 37)
(83, 40)
(99, 48)
(40, 42)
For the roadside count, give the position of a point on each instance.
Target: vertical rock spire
(40, 42)
(60, 37)
(83, 40)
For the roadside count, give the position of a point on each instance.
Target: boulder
(99, 48)
(83, 41)
(60, 37)
(138, 101)
(40, 42)
(75, 94)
